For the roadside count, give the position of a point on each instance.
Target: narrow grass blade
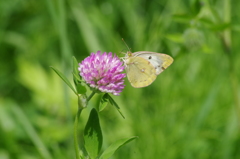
(22, 118)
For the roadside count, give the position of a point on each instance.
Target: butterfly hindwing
(140, 72)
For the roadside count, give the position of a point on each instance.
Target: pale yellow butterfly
(142, 67)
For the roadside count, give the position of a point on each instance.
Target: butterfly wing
(140, 72)
(158, 60)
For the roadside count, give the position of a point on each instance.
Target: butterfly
(142, 67)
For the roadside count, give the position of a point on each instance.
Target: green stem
(76, 133)
(91, 95)
(76, 127)
(227, 41)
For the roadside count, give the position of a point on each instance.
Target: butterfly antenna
(126, 44)
(122, 52)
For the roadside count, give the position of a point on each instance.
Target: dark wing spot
(150, 57)
(157, 67)
(163, 68)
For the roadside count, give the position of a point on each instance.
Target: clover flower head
(103, 72)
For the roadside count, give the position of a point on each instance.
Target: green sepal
(103, 102)
(81, 88)
(93, 135)
(115, 146)
(77, 78)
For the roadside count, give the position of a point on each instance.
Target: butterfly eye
(150, 57)
(129, 53)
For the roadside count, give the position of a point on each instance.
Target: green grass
(191, 111)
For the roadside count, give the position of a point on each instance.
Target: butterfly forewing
(159, 61)
(140, 72)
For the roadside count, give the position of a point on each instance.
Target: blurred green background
(191, 111)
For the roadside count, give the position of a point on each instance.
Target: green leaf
(81, 89)
(175, 37)
(182, 18)
(112, 102)
(62, 76)
(93, 135)
(220, 27)
(206, 22)
(115, 146)
(236, 27)
(103, 102)
(75, 66)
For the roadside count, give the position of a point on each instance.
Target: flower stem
(76, 127)
(91, 95)
(76, 133)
